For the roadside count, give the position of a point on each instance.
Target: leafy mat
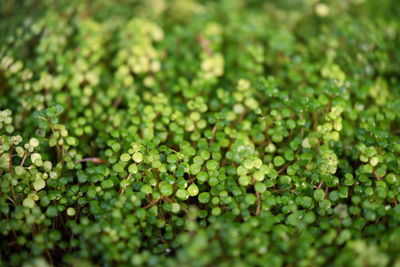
(199, 133)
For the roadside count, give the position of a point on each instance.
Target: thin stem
(214, 129)
(23, 159)
(151, 204)
(258, 209)
(49, 256)
(58, 151)
(94, 160)
(282, 169)
(63, 151)
(118, 101)
(123, 189)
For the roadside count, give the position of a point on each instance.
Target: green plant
(200, 133)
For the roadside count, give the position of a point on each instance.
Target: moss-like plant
(199, 133)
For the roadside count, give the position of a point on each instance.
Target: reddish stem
(258, 209)
(94, 160)
(151, 204)
(377, 176)
(282, 169)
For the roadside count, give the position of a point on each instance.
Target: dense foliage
(229, 133)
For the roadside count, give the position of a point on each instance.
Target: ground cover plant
(199, 133)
